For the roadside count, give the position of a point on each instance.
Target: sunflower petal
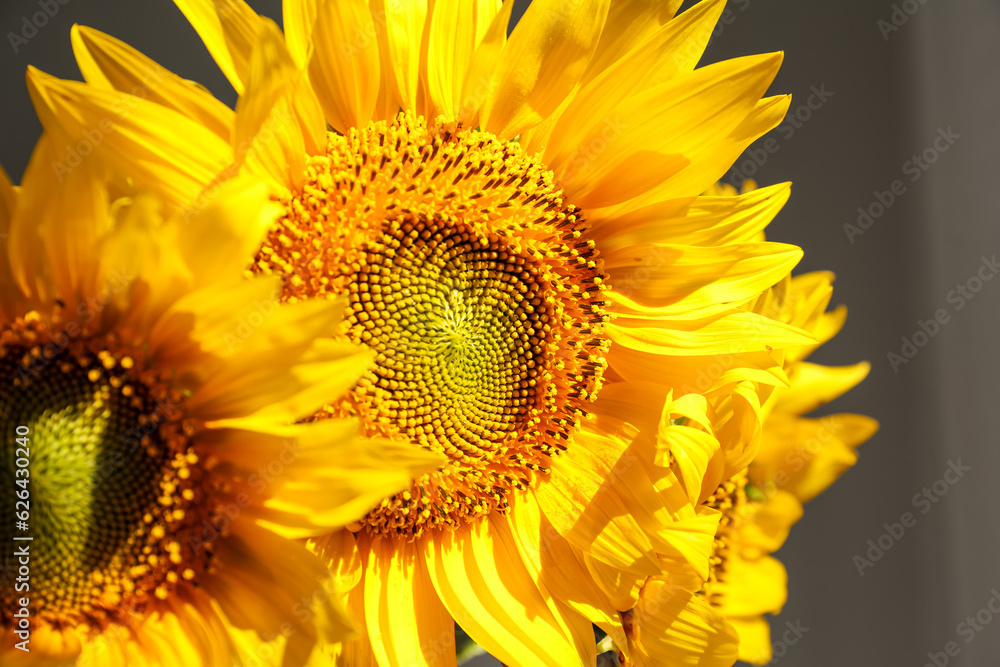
(481, 581)
(112, 64)
(558, 568)
(258, 596)
(752, 587)
(813, 385)
(402, 36)
(671, 50)
(396, 578)
(705, 221)
(344, 68)
(159, 148)
(652, 137)
(228, 28)
(479, 79)
(696, 281)
(676, 627)
(298, 18)
(268, 132)
(629, 23)
(543, 60)
(457, 28)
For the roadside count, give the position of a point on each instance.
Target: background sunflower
(871, 88)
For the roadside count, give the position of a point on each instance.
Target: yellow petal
(402, 31)
(457, 28)
(344, 68)
(717, 154)
(158, 148)
(61, 217)
(675, 627)
(317, 491)
(218, 241)
(297, 18)
(591, 515)
(267, 133)
(479, 577)
(228, 28)
(558, 568)
(9, 290)
(805, 456)
(479, 79)
(543, 60)
(709, 374)
(755, 639)
(696, 280)
(705, 221)
(292, 337)
(694, 451)
(813, 385)
(752, 587)
(630, 22)
(296, 598)
(396, 579)
(671, 50)
(622, 588)
(770, 525)
(112, 64)
(607, 156)
(729, 334)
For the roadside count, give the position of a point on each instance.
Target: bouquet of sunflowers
(444, 341)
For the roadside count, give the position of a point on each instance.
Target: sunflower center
(474, 283)
(98, 473)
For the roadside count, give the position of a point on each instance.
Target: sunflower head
(471, 278)
(150, 459)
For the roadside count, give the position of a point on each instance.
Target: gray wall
(892, 91)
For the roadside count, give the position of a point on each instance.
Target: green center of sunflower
(98, 474)
(474, 282)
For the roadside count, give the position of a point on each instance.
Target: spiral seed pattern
(476, 286)
(114, 486)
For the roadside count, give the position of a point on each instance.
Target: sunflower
(517, 227)
(154, 481)
(797, 459)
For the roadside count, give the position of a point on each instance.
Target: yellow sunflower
(517, 227)
(798, 458)
(153, 481)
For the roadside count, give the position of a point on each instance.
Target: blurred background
(893, 147)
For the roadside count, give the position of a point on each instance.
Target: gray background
(891, 94)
